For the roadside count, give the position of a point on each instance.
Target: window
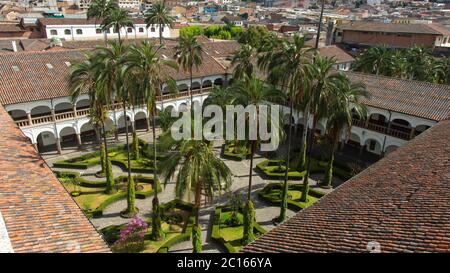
(108, 31)
(98, 31)
(67, 32)
(68, 64)
(49, 66)
(141, 29)
(162, 29)
(15, 68)
(129, 30)
(53, 32)
(79, 31)
(114, 30)
(152, 29)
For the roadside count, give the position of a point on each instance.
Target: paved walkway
(240, 169)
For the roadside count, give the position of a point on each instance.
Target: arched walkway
(140, 120)
(46, 142)
(68, 137)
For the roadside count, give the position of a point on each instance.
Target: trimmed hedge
(228, 151)
(77, 162)
(187, 230)
(264, 195)
(268, 167)
(216, 229)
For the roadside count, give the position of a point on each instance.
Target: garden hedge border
(265, 168)
(187, 231)
(215, 235)
(114, 198)
(231, 155)
(293, 205)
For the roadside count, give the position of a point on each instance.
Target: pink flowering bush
(131, 238)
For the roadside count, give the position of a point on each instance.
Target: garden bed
(230, 237)
(118, 156)
(232, 152)
(177, 222)
(91, 196)
(271, 193)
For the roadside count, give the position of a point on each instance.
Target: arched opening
(420, 129)
(63, 107)
(140, 120)
(121, 124)
(400, 128)
(68, 137)
(18, 114)
(206, 84)
(354, 141)
(83, 104)
(87, 133)
(46, 142)
(183, 87)
(40, 111)
(377, 122)
(195, 86)
(390, 149)
(218, 81)
(373, 146)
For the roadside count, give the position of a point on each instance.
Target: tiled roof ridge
(395, 78)
(30, 52)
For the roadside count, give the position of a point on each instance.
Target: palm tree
(123, 85)
(344, 106)
(117, 19)
(244, 60)
(100, 9)
(319, 97)
(199, 171)
(84, 77)
(159, 15)
(288, 67)
(189, 54)
(145, 62)
(375, 60)
(252, 91)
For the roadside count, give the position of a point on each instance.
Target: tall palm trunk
(252, 155)
(109, 180)
(118, 33)
(284, 195)
(190, 87)
(128, 150)
(329, 171)
(197, 231)
(303, 150)
(308, 166)
(156, 217)
(160, 34)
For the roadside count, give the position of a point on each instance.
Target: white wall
(89, 32)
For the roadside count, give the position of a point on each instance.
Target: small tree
(249, 218)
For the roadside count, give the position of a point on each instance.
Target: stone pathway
(240, 169)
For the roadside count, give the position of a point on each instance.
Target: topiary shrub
(197, 239)
(249, 216)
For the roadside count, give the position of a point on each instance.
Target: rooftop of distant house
(399, 204)
(432, 29)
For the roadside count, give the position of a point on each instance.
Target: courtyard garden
(233, 150)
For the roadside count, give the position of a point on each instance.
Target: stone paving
(240, 169)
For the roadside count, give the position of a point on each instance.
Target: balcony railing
(384, 129)
(85, 112)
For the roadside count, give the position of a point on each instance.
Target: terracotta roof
(35, 81)
(39, 214)
(401, 202)
(10, 28)
(77, 21)
(221, 49)
(445, 30)
(335, 52)
(421, 99)
(396, 28)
